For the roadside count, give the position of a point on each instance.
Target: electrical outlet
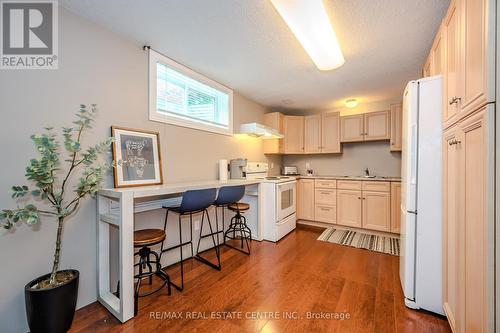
(197, 225)
(272, 165)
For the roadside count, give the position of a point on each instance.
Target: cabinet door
(312, 134)
(377, 211)
(474, 78)
(396, 127)
(377, 126)
(351, 128)
(452, 252)
(473, 205)
(349, 208)
(305, 201)
(294, 134)
(273, 120)
(330, 133)
(437, 54)
(452, 63)
(426, 71)
(395, 207)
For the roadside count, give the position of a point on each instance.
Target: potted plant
(51, 298)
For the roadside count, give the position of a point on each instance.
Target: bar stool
(144, 239)
(229, 197)
(193, 202)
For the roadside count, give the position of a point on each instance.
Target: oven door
(286, 199)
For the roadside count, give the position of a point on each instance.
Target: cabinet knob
(454, 100)
(359, 197)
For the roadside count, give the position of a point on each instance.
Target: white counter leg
(127, 256)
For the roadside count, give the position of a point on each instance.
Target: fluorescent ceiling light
(351, 103)
(309, 22)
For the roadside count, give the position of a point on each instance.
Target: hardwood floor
(297, 276)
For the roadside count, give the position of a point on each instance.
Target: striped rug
(389, 245)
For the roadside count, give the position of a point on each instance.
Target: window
(182, 97)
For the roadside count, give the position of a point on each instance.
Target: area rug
(389, 245)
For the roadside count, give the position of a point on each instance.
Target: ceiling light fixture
(351, 103)
(309, 22)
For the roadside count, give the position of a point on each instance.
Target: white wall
(96, 66)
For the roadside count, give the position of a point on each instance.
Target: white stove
(278, 201)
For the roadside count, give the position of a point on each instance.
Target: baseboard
(341, 227)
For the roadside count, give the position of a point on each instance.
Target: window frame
(179, 120)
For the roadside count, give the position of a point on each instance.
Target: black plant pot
(52, 309)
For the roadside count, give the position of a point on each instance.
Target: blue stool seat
(193, 202)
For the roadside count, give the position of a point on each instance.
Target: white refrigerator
(421, 195)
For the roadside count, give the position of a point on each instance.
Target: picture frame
(137, 157)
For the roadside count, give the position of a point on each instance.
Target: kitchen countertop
(380, 179)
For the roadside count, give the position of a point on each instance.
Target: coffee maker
(238, 168)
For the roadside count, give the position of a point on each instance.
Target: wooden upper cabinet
(395, 207)
(469, 75)
(377, 210)
(330, 133)
(396, 127)
(274, 120)
(426, 70)
(476, 37)
(305, 199)
(452, 63)
(351, 128)
(312, 134)
(376, 125)
(349, 208)
(437, 53)
(294, 134)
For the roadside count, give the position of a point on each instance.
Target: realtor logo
(28, 34)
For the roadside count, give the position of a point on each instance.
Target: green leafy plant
(50, 176)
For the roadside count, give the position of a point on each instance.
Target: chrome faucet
(367, 172)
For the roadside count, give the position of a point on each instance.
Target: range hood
(260, 131)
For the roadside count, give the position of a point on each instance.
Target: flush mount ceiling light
(309, 22)
(351, 103)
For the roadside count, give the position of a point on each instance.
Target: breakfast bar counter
(115, 209)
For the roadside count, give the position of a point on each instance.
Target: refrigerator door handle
(413, 157)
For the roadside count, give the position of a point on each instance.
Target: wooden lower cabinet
(451, 248)
(373, 205)
(326, 214)
(305, 201)
(377, 211)
(395, 207)
(467, 275)
(349, 208)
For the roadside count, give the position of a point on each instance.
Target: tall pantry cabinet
(468, 36)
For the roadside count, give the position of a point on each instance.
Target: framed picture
(137, 157)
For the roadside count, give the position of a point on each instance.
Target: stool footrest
(206, 262)
(176, 246)
(237, 248)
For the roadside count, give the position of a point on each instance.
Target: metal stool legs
(239, 225)
(180, 246)
(145, 261)
(216, 244)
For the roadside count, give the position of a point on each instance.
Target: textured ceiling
(245, 45)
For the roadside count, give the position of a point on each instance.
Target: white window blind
(180, 96)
